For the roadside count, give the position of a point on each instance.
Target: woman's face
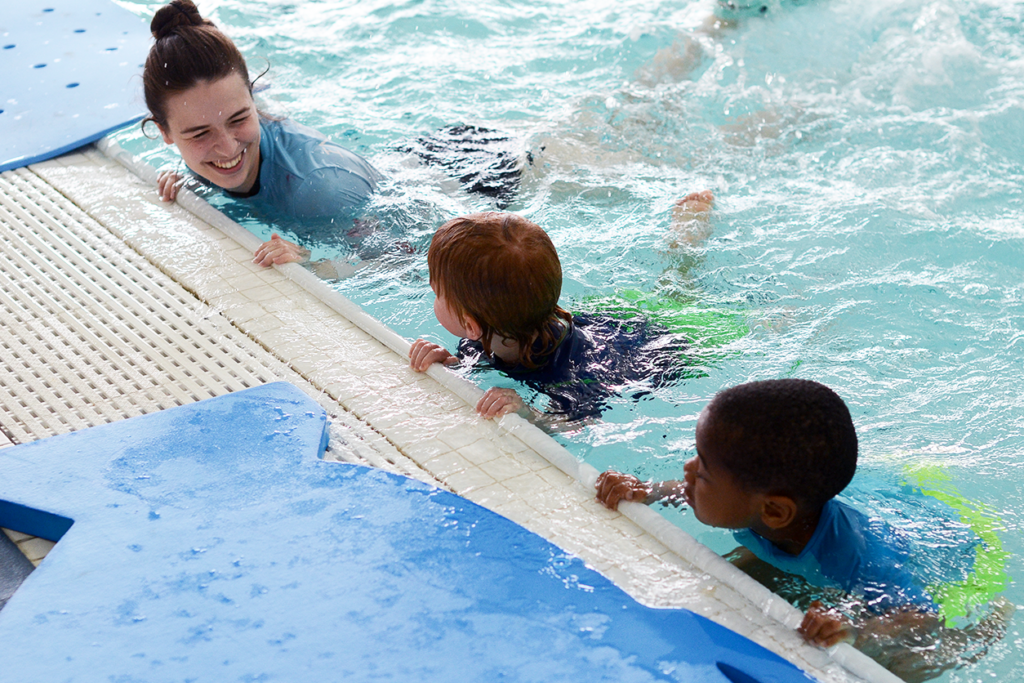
(217, 130)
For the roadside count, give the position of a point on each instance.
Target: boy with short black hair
(771, 457)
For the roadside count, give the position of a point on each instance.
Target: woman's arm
(277, 250)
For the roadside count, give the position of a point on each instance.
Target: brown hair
(502, 271)
(188, 49)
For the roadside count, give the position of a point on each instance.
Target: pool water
(868, 162)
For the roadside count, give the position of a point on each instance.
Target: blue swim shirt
(849, 551)
(305, 175)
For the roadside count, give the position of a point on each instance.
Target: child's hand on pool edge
(167, 185)
(614, 487)
(277, 250)
(826, 627)
(423, 354)
(498, 401)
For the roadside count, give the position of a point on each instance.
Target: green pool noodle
(707, 327)
(988, 578)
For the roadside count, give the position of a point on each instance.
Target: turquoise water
(868, 163)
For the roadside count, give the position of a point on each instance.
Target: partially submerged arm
(684, 56)
(280, 251)
(277, 251)
(498, 401)
(690, 222)
(911, 642)
(614, 487)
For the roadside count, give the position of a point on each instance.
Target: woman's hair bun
(174, 15)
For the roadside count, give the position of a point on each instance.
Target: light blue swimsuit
(303, 175)
(851, 552)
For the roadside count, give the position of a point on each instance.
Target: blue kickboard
(72, 72)
(211, 542)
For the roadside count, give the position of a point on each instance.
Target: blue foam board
(71, 74)
(211, 542)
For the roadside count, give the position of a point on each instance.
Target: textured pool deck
(116, 304)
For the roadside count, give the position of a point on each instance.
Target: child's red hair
(502, 271)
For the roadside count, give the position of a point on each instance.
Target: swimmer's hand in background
(167, 185)
(423, 354)
(690, 222)
(277, 250)
(693, 205)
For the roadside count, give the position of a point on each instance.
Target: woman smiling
(199, 95)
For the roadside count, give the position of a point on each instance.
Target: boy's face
(449, 319)
(713, 493)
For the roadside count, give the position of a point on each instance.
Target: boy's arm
(614, 487)
(916, 645)
(826, 627)
(911, 642)
(744, 558)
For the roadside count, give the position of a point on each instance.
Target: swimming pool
(868, 160)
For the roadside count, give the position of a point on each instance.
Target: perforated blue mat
(71, 72)
(209, 542)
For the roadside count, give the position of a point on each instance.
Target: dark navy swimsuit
(598, 357)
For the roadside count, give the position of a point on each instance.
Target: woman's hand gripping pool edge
(167, 185)
(278, 251)
(423, 354)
